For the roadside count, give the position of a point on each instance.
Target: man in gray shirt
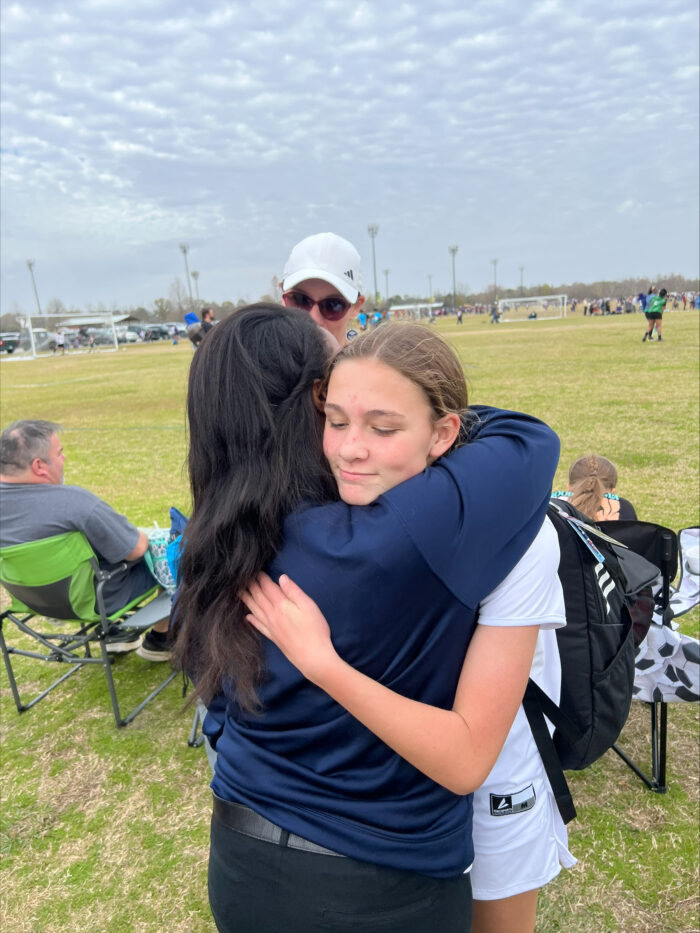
(35, 504)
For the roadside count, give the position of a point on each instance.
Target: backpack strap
(533, 701)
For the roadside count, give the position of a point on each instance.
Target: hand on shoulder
(292, 620)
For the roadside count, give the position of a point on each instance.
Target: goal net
(539, 308)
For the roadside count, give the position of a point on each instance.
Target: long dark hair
(255, 453)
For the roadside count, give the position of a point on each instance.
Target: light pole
(495, 263)
(522, 269)
(453, 250)
(373, 230)
(30, 266)
(195, 276)
(430, 286)
(386, 279)
(184, 247)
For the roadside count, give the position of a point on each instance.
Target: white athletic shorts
(520, 840)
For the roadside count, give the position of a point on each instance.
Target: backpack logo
(605, 582)
(510, 804)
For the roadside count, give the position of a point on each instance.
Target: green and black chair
(56, 587)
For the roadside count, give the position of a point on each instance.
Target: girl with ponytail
(591, 489)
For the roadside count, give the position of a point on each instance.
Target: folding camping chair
(658, 545)
(59, 579)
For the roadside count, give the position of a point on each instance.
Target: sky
(558, 136)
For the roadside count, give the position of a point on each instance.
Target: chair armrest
(108, 571)
(155, 611)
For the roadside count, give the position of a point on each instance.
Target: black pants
(260, 887)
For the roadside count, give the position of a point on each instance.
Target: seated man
(35, 504)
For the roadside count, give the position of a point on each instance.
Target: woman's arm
(456, 748)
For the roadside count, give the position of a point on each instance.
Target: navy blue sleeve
(215, 719)
(497, 487)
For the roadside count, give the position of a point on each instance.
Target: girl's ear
(446, 430)
(315, 394)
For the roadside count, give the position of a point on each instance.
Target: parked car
(9, 342)
(43, 340)
(71, 337)
(124, 335)
(103, 335)
(157, 332)
(179, 326)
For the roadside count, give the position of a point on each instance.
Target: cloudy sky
(558, 135)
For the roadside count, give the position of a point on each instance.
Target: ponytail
(590, 477)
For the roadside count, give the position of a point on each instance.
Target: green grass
(106, 830)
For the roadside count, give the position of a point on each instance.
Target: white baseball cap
(328, 257)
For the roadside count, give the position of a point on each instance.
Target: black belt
(246, 821)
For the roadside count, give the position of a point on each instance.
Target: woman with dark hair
(318, 825)
(255, 439)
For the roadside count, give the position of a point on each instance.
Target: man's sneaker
(120, 640)
(156, 647)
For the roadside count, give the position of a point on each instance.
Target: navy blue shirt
(399, 582)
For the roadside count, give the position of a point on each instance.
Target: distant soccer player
(654, 314)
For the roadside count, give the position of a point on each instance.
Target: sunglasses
(331, 309)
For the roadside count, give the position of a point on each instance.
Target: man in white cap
(322, 276)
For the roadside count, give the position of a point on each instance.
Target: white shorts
(520, 840)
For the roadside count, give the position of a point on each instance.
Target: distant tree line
(618, 288)
(177, 304)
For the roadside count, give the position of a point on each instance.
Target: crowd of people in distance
(675, 301)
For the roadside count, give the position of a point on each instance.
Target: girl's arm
(456, 748)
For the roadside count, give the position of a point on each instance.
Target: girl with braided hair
(591, 489)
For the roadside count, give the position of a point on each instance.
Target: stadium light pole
(185, 248)
(386, 280)
(495, 287)
(453, 250)
(522, 269)
(373, 230)
(195, 276)
(30, 266)
(430, 286)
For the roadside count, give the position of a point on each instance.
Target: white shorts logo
(509, 804)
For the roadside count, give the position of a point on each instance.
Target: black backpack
(609, 600)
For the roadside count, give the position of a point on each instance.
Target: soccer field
(108, 831)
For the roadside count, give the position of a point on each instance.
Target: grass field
(106, 830)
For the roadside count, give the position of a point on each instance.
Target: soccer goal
(539, 308)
